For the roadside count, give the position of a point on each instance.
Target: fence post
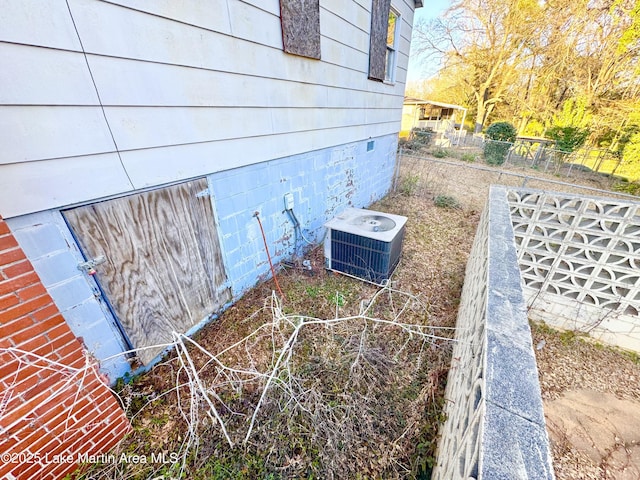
(397, 172)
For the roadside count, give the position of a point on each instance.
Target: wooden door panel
(164, 269)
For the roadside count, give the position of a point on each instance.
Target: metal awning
(417, 101)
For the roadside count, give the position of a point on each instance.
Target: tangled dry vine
(327, 382)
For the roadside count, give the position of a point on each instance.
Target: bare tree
(489, 40)
(526, 58)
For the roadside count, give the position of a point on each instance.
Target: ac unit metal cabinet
(364, 243)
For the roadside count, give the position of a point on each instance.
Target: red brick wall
(53, 405)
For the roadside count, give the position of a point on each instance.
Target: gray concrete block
(513, 448)
(57, 267)
(69, 293)
(39, 240)
(511, 378)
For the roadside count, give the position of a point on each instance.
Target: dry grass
(570, 361)
(469, 181)
(362, 400)
(358, 399)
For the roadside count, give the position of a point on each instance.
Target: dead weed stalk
(308, 395)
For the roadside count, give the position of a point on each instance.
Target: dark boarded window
(300, 21)
(378, 39)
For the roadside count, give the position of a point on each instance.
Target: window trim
(383, 58)
(390, 77)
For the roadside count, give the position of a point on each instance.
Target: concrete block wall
(54, 406)
(495, 427)
(323, 183)
(580, 262)
(54, 254)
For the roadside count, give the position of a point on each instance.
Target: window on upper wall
(383, 42)
(300, 20)
(393, 32)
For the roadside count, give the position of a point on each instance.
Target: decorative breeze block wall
(459, 448)
(54, 407)
(495, 427)
(580, 262)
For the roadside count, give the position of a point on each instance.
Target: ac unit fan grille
(364, 257)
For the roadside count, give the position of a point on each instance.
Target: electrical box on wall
(288, 201)
(364, 243)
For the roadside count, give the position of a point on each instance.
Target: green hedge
(501, 136)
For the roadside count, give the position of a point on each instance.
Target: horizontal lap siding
(153, 127)
(44, 76)
(35, 22)
(188, 160)
(33, 186)
(202, 60)
(43, 132)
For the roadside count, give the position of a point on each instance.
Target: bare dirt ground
(591, 398)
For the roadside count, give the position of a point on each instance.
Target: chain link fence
(465, 183)
(538, 154)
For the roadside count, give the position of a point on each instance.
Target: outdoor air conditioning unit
(364, 243)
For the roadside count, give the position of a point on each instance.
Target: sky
(431, 9)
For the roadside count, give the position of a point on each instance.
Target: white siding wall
(104, 97)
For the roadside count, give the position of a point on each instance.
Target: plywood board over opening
(301, 27)
(164, 270)
(378, 39)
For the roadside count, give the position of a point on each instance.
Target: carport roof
(417, 101)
